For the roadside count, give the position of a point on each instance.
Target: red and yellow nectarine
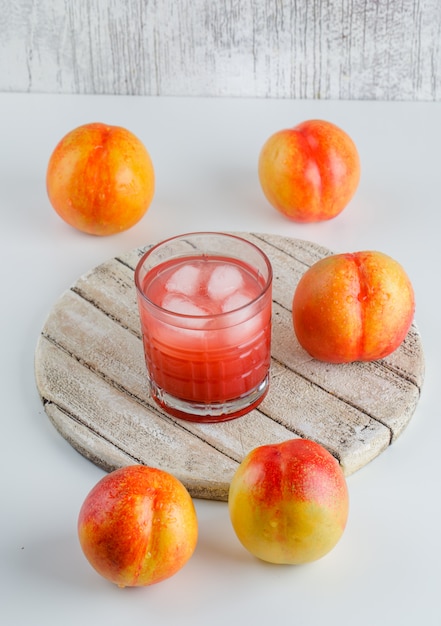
(100, 179)
(138, 526)
(353, 307)
(309, 172)
(289, 502)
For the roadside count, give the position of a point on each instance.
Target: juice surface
(216, 345)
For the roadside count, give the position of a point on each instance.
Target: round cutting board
(91, 377)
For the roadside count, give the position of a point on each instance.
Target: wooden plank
(112, 428)
(321, 49)
(91, 376)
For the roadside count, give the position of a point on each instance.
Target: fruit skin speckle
(353, 307)
(289, 502)
(100, 179)
(310, 172)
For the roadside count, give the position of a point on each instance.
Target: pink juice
(206, 323)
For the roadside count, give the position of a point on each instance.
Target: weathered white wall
(352, 49)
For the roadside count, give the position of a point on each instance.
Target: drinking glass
(205, 309)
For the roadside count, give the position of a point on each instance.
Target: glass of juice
(205, 308)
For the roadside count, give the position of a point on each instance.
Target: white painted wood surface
(338, 49)
(91, 376)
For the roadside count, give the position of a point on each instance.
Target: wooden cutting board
(91, 376)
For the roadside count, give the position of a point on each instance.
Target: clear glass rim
(183, 316)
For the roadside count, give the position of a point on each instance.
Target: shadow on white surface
(56, 560)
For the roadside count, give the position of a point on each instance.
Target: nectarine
(100, 179)
(353, 307)
(289, 502)
(138, 526)
(309, 172)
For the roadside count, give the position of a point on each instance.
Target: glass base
(213, 412)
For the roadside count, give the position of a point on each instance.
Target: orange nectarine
(309, 172)
(100, 179)
(138, 526)
(289, 502)
(353, 307)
